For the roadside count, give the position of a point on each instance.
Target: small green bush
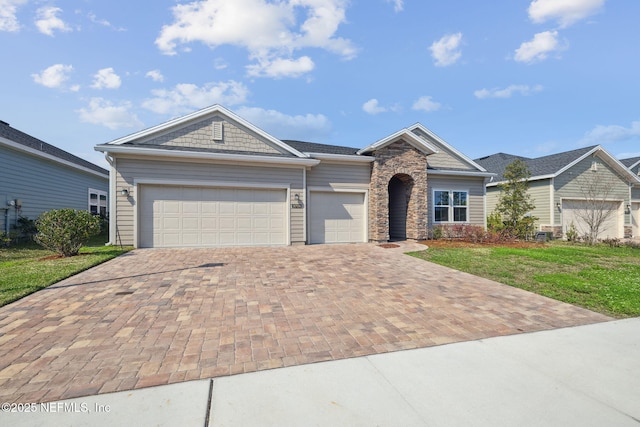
(66, 230)
(4, 239)
(572, 233)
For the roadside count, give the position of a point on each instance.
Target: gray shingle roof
(313, 147)
(6, 131)
(539, 166)
(629, 162)
(200, 149)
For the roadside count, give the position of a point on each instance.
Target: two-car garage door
(183, 216)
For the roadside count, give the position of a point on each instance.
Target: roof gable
(447, 157)
(25, 142)
(211, 129)
(554, 164)
(404, 135)
(631, 163)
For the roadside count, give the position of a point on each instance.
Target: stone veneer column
(398, 158)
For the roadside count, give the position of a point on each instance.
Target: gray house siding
(328, 174)
(131, 171)
(569, 184)
(475, 187)
(42, 185)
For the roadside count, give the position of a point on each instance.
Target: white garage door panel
(574, 210)
(336, 217)
(192, 216)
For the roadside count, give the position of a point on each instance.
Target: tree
(596, 207)
(66, 230)
(515, 202)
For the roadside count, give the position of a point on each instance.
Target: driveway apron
(154, 317)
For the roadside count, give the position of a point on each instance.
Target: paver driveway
(155, 317)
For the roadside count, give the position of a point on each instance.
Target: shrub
(25, 229)
(572, 233)
(494, 221)
(436, 232)
(4, 239)
(66, 230)
(612, 242)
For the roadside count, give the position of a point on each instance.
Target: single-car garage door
(336, 217)
(574, 211)
(172, 216)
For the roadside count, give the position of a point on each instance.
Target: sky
(524, 77)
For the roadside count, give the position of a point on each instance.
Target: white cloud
(155, 75)
(566, 12)
(281, 67)
(538, 48)
(425, 103)
(372, 107)
(8, 19)
(185, 97)
(47, 20)
(271, 33)
(445, 50)
(53, 76)
(93, 18)
(398, 5)
(103, 112)
(283, 126)
(106, 78)
(507, 92)
(611, 133)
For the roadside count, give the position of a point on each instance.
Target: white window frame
(99, 205)
(451, 207)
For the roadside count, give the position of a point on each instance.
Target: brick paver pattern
(153, 317)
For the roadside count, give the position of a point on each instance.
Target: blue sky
(526, 77)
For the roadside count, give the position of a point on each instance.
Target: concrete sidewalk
(585, 375)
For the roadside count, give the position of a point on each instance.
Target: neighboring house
(559, 186)
(36, 177)
(211, 178)
(634, 166)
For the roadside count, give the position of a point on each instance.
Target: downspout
(112, 211)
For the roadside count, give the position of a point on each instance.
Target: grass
(600, 278)
(27, 268)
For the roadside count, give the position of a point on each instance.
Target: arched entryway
(399, 188)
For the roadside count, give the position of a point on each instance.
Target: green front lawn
(25, 269)
(600, 278)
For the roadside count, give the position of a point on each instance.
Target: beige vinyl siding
(328, 174)
(493, 196)
(475, 187)
(131, 170)
(540, 192)
(568, 184)
(444, 158)
(199, 134)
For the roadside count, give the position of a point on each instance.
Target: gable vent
(216, 131)
(594, 166)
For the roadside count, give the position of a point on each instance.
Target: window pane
(94, 210)
(103, 197)
(441, 214)
(441, 198)
(93, 197)
(460, 198)
(460, 214)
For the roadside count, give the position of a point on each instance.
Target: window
(97, 202)
(450, 206)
